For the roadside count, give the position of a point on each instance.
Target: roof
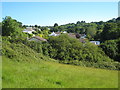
(29, 28)
(72, 35)
(54, 34)
(39, 38)
(57, 33)
(95, 42)
(64, 32)
(26, 31)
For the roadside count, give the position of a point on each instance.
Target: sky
(59, 0)
(48, 13)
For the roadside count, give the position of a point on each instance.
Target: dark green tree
(110, 47)
(55, 25)
(36, 26)
(109, 31)
(91, 32)
(10, 26)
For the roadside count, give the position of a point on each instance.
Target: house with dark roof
(37, 38)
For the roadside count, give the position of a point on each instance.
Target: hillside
(47, 74)
(19, 52)
(25, 68)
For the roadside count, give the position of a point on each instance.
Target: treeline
(95, 30)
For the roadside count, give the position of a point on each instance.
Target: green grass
(24, 68)
(47, 74)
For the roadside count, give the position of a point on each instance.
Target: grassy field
(46, 74)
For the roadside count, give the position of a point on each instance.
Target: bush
(102, 65)
(111, 49)
(64, 47)
(34, 45)
(19, 52)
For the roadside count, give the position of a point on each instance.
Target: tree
(91, 32)
(83, 22)
(118, 19)
(109, 31)
(55, 25)
(10, 26)
(78, 22)
(0, 28)
(36, 26)
(64, 47)
(110, 47)
(20, 24)
(24, 26)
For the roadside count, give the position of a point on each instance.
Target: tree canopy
(10, 26)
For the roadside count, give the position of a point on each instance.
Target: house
(95, 42)
(55, 34)
(39, 29)
(64, 32)
(37, 38)
(72, 35)
(82, 36)
(28, 30)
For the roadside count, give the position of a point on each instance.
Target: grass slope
(46, 74)
(24, 68)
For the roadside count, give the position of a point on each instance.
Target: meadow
(49, 74)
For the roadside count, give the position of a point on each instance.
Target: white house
(95, 42)
(28, 30)
(39, 29)
(64, 32)
(54, 34)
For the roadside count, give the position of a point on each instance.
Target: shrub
(64, 47)
(111, 48)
